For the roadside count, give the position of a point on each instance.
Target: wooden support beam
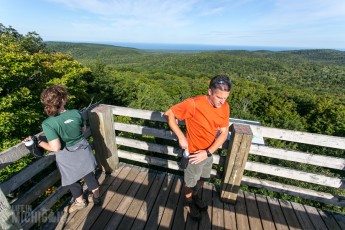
(102, 129)
(8, 219)
(240, 141)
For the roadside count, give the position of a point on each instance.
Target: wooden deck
(138, 198)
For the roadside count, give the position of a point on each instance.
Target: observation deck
(142, 185)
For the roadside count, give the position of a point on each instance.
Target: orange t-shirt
(202, 120)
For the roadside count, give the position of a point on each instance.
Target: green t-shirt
(66, 126)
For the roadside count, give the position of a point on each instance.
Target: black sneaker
(94, 200)
(194, 212)
(199, 203)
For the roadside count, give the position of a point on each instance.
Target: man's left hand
(198, 157)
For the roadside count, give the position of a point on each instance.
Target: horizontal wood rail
(259, 150)
(280, 134)
(301, 137)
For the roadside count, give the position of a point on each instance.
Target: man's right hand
(183, 142)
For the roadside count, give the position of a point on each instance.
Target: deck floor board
(140, 198)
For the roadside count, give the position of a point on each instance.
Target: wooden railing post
(102, 129)
(8, 219)
(240, 141)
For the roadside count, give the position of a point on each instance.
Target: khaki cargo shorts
(194, 172)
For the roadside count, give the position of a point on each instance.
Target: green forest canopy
(298, 90)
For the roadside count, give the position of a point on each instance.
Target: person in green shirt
(64, 132)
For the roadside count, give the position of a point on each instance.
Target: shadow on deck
(138, 198)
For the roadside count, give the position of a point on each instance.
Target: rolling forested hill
(297, 90)
(317, 70)
(300, 90)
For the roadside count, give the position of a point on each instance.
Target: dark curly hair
(53, 98)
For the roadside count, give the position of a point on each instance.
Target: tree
(25, 70)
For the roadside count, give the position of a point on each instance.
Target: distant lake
(193, 47)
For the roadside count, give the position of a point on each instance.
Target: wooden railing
(259, 150)
(21, 206)
(140, 136)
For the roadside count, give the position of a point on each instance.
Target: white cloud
(296, 12)
(148, 12)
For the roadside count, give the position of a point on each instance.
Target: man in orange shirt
(207, 122)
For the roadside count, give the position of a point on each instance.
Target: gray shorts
(194, 172)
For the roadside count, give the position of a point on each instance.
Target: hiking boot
(194, 212)
(200, 204)
(75, 206)
(94, 200)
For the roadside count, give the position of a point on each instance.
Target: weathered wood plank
(217, 212)
(102, 129)
(180, 217)
(253, 211)
(43, 208)
(315, 217)
(240, 141)
(166, 206)
(12, 154)
(143, 130)
(152, 147)
(155, 161)
(265, 212)
(280, 134)
(26, 174)
(275, 133)
(326, 198)
(159, 116)
(329, 220)
(138, 201)
(301, 137)
(302, 216)
(122, 208)
(157, 211)
(116, 199)
(37, 190)
(301, 157)
(139, 113)
(170, 210)
(147, 206)
(295, 174)
(340, 219)
(290, 216)
(241, 212)
(8, 218)
(277, 214)
(229, 217)
(148, 159)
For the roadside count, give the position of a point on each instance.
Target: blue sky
(280, 23)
